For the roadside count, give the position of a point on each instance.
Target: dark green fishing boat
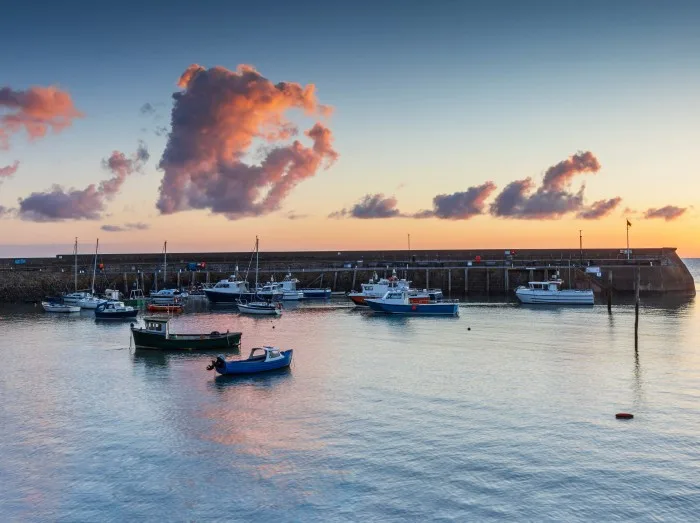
(156, 335)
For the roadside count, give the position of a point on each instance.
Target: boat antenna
(165, 263)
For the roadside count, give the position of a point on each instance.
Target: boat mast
(257, 259)
(75, 266)
(165, 262)
(94, 267)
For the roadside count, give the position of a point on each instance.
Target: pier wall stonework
(457, 273)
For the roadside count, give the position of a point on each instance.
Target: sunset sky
(409, 117)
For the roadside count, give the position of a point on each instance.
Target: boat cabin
(156, 326)
(552, 285)
(265, 354)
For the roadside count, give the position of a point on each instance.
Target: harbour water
(506, 413)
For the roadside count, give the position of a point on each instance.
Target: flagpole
(628, 239)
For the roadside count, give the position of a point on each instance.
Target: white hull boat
(549, 293)
(91, 302)
(59, 307)
(260, 307)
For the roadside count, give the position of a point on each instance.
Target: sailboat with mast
(91, 301)
(74, 297)
(259, 306)
(166, 296)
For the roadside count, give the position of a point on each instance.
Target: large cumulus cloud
(215, 121)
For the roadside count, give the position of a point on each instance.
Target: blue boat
(398, 302)
(261, 359)
(316, 293)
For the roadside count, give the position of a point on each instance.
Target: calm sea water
(506, 413)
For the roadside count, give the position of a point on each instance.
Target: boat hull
(265, 311)
(415, 309)
(118, 315)
(567, 297)
(60, 308)
(216, 296)
(90, 304)
(239, 368)
(150, 340)
(316, 293)
(164, 308)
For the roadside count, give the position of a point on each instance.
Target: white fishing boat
(377, 287)
(59, 307)
(549, 292)
(284, 290)
(230, 290)
(258, 306)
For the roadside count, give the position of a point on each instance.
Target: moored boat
(398, 302)
(156, 335)
(114, 310)
(316, 293)
(229, 290)
(168, 297)
(549, 292)
(59, 307)
(260, 307)
(284, 290)
(153, 307)
(261, 359)
(91, 302)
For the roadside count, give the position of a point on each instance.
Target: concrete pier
(661, 270)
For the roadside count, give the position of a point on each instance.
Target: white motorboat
(91, 302)
(284, 290)
(229, 290)
(377, 287)
(59, 307)
(74, 298)
(260, 307)
(549, 292)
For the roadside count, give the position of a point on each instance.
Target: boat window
(274, 353)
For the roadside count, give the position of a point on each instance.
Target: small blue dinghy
(261, 359)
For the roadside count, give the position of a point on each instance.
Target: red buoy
(623, 415)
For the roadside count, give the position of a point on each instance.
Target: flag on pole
(629, 224)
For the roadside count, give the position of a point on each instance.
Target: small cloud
(668, 213)
(9, 170)
(371, 206)
(459, 205)
(161, 130)
(147, 109)
(126, 227)
(291, 215)
(599, 209)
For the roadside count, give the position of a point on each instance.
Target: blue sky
(428, 98)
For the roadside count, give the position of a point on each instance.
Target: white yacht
(549, 292)
(168, 297)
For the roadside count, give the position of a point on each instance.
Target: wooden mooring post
(636, 310)
(427, 278)
(506, 280)
(354, 277)
(126, 285)
(178, 279)
(466, 281)
(488, 283)
(610, 291)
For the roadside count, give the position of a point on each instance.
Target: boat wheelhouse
(114, 310)
(229, 290)
(168, 297)
(284, 290)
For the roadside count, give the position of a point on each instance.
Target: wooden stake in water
(636, 311)
(610, 291)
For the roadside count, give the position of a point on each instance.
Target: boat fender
(624, 415)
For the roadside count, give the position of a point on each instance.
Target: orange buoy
(624, 415)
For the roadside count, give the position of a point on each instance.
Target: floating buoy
(623, 415)
(469, 328)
